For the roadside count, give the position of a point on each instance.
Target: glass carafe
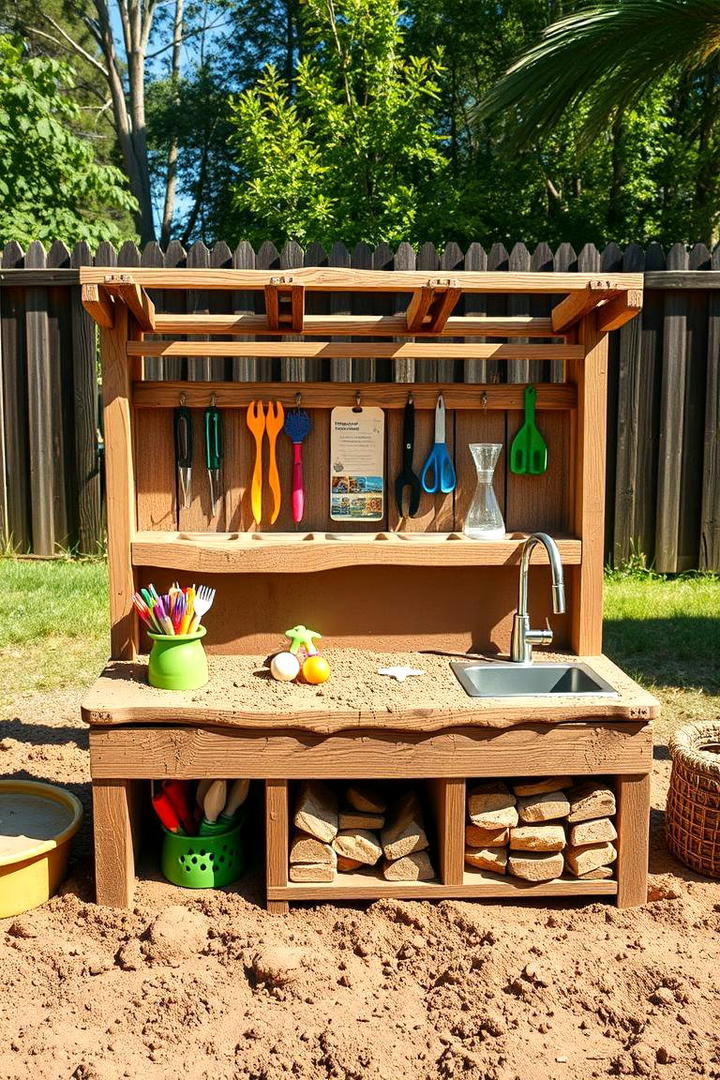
(484, 520)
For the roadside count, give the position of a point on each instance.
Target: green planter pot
(204, 862)
(178, 663)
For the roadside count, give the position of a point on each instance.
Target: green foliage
(51, 186)
(354, 153)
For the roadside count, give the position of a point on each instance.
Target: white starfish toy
(400, 673)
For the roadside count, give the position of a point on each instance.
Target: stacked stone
(330, 838)
(535, 829)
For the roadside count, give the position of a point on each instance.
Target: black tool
(407, 478)
(184, 451)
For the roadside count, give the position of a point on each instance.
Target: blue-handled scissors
(438, 472)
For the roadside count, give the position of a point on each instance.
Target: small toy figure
(400, 674)
(302, 638)
(284, 667)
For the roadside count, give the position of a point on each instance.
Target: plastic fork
(274, 422)
(203, 602)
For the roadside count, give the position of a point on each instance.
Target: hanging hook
(410, 398)
(484, 399)
(213, 401)
(183, 398)
(358, 400)
(298, 400)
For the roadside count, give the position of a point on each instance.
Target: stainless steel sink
(531, 680)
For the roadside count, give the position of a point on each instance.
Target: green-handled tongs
(529, 452)
(213, 453)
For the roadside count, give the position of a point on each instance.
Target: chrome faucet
(523, 638)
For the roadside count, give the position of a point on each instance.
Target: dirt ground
(209, 986)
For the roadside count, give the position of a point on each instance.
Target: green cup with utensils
(178, 662)
(205, 862)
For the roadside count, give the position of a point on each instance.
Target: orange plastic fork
(274, 421)
(256, 423)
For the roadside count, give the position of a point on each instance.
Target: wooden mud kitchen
(447, 755)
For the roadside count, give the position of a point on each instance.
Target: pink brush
(297, 426)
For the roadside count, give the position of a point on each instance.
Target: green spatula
(529, 452)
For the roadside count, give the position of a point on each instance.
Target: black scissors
(407, 477)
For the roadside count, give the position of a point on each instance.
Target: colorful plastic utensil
(297, 427)
(203, 602)
(182, 422)
(176, 792)
(438, 473)
(166, 812)
(236, 797)
(529, 452)
(274, 421)
(256, 423)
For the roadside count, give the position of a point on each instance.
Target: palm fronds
(609, 53)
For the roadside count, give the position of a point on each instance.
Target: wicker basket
(692, 820)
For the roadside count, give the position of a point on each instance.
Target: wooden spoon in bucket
(237, 796)
(214, 801)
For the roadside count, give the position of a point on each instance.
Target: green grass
(53, 624)
(665, 633)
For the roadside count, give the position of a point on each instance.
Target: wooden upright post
(588, 507)
(120, 480)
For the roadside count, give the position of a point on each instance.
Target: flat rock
(308, 849)
(492, 806)
(359, 819)
(583, 860)
(312, 872)
(316, 810)
(591, 800)
(546, 807)
(537, 838)
(602, 873)
(494, 859)
(366, 797)
(413, 867)
(598, 831)
(542, 785)
(475, 837)
(404, 833)
(535, 865)
(346, 865)
(358, 844)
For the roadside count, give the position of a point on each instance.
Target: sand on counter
(207, 985)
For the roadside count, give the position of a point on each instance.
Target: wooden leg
(115, 807)
(633, 821)
(276, 840)
(449, 801)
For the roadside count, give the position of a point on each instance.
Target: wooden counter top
(242, 694)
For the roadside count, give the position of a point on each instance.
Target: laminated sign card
(357, 464)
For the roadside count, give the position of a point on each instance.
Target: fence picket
(61, 404)
(42, 481)
(15, 391)
(709, 556)
(475, 371)
(340, 304)
(85, 413)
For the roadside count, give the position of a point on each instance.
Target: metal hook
(484, 399)
(410, 398)
(213, 401)
(358, 399)
(298, 400)
(183, 398)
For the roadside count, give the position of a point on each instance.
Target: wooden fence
(663, 491)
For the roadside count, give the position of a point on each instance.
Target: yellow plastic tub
(37, 823)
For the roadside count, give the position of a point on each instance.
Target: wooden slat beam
(577, 304)
(99, 304)
(356, 326)
(139, 304)
(430, 307)
(503, 396)
(341, 279)
(285, 306)
(339, 350)
(615, 313)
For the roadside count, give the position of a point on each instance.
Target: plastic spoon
(529, 452)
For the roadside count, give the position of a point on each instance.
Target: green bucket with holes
(204, 862)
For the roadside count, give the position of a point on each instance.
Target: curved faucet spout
(522, 636)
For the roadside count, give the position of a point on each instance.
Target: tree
(634, 45)
(353, 152)
(51, 186)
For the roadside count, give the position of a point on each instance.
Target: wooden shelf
(302, 552)
(368, 885)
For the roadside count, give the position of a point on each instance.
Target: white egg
(284, 667)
